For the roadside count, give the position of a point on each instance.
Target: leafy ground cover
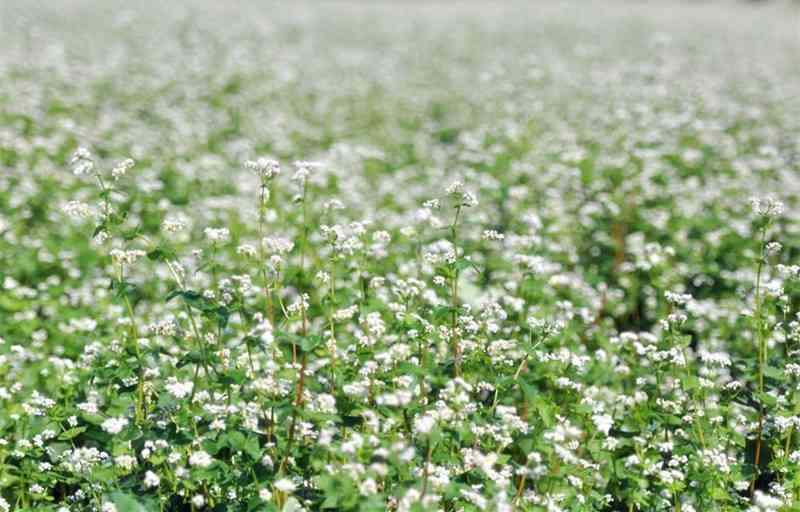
(368, 257)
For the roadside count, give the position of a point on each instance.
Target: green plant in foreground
(519, 274)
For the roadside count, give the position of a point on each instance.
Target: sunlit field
(399, 256)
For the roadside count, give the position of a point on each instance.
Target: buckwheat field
(399, 256)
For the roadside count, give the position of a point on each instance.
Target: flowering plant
(262, 280)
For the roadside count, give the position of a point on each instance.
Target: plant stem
(141, 404)
(454, 298)
(762, 356)
(426, 470)
(199, 340)
(298, 402)
(332, 327)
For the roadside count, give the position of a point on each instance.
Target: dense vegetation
(407, 257)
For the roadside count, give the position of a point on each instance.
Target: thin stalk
(426, 470)
(762, 356)
(332, 326)
(298, 402)
(456, 346)
(140, 404)
(199, 340)
(264, 194)
(262, 210)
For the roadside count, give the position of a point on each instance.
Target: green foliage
(521, 272)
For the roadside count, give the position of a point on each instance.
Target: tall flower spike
(82, 162)
(264, 168)
(122, 168)
(304, 169)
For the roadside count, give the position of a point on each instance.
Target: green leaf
(127, 289)
(222, 315)
(98, 229)
(194, 357)
(545, 409)
(71, 433)
(435, 436)
(774, 373)
(289, 338)
(132, 234)
(208, 307)
(463, 263)
(252, 448)
(766, 399)
(310, 342)
(292, 505)
(161, 254)
(171, 295)
(127, 503)
(237, 377)
(235, 440)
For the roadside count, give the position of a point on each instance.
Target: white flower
(766, 207)
(368, 487)
(469, 199)
(126, 462)
(179, 389)
(773, 248)
(122, 168)
(263, 167)
(81, 162)
(382, 237)
(77, 209)
(766, 503)
(491, 234)
(424, 424)
(217, 234)
(125, 257)
(114, 425)
(679, 299)
(304, 169)
(285, 485)
(603, 422)
(457, 187)
(246, 250)
(108, 507)
(200, 459)
(151, 479)
(464, 197)
(277, 245)
(173, 225)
